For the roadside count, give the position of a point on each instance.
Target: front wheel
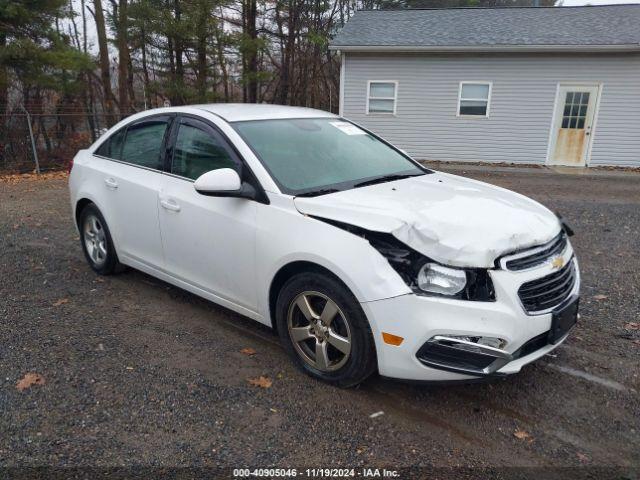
(324, 329)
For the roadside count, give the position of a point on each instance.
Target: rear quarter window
(112, 147)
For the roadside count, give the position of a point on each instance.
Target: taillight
(70, 166)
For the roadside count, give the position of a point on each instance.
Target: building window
(575, 110)
(474, 99)
(382, 96)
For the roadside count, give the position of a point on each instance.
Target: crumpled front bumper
(420, 319)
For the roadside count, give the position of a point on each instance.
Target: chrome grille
(545, 293)
(538, 255)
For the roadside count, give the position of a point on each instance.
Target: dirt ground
(136, 373)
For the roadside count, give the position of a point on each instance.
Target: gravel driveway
(137, 373)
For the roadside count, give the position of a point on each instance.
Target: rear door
(132, 182)
(209, 242)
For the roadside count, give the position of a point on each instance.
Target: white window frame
(488, 99)
(394, 98)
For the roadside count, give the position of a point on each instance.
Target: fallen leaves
(262, 382)
(522, 435)
(248, 351)
(600, 297)
(62, 301)
(29, 380)
(632, 326)
(582, 457)
(21, 177)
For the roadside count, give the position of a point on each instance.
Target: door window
(143, 144)
(575, 110)
(198, 151)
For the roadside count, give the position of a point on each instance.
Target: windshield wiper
(315, 193)
(387, 178)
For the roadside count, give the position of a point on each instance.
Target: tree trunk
(250, 13)
(123, 59)
(201, 49)
(4, 85)
(145, 67)
(222, 61)
(86, 95)
(105, 73)
(179, 50)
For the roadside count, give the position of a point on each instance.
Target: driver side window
(198, 151)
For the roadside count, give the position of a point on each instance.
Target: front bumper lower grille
(451, 354)
(544, 294)
(459, 356)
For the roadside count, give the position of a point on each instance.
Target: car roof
(238, 112)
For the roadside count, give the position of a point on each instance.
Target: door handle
(170, 205)
(111, 183)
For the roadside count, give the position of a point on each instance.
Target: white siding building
(555, 86)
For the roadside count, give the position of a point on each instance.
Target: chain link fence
(46, 142)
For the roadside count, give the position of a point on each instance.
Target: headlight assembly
(423, 275)
(435, 278)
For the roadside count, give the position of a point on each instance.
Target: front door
(209, 242)
(572, 125)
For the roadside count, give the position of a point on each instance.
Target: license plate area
(563, 320)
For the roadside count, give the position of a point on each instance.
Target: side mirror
(223, 182)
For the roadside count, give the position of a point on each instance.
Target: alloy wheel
(319, 330)
(95, 240)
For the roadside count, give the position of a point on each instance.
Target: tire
(96, 241)
(315, 314)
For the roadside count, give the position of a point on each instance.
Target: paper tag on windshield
(348, 128)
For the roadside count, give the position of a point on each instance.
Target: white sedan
(361, 259)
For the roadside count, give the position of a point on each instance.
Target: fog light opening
(493, 342)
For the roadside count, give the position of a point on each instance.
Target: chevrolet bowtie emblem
(557, 262)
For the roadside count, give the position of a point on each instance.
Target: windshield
(322, 154)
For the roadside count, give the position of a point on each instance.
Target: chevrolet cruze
(362, 259)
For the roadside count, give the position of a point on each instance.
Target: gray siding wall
(522, 102)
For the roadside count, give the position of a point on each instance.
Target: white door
(572, 125)
(132, 185)
(209, 242)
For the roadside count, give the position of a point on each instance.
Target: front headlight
(442, 280)
(422, 274)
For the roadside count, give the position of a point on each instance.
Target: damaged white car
(362, 259)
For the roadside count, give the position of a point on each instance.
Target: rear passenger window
(143, 144)
(198, 152)
(112, 148)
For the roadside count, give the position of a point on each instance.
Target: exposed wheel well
(288, 271)
(83, 202)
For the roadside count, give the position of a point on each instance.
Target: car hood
(452, 220)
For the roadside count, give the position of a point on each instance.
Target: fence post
(33, 142)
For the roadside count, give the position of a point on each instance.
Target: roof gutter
(484, 48)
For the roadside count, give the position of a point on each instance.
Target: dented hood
(450, 219)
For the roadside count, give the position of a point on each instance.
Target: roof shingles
(617, 25)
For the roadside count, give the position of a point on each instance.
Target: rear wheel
(324, 329)
(96, 241)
